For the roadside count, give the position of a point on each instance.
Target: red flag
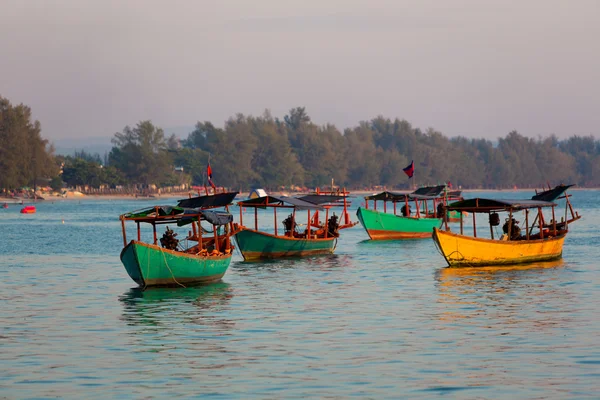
(410, 170)
(209, 175)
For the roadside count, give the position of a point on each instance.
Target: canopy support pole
(527, 223)
(275, 219)
(124, 232)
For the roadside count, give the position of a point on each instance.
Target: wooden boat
(202, 257)
(255, 244)
(28, 210)
(381, 225)
(513, 246)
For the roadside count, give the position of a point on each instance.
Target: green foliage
(141, 154)
(25, 157)
(266, 152)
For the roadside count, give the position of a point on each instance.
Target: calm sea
(375, 320)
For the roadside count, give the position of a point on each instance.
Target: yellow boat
(540, 241)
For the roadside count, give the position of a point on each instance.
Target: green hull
(256, 245)
(384, 226)
(150, 265)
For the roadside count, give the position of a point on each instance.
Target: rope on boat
(169, 268)
(334, 246)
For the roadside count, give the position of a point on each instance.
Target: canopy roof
(272, 201)
(322, 198)
(551, 194)
(434, 191)
(181, 215)
(208, 201)
(479, 205)
(424, 193)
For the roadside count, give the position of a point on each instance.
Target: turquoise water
(375, 320)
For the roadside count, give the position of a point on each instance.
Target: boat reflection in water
(508, 296)
(177, 307)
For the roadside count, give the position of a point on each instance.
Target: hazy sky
(477, 68)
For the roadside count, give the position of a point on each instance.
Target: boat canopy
(479, 205)
(208, 201)
(181, 215)
(322, 198)
(551, 194)
(283, 201)
(431, 191)
(401, 196)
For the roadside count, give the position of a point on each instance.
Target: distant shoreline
(170, 196)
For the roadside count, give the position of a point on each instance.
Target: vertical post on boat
(541, 223)
(200, 238)
(553, 221)
(426, 209)
(461, 219)
(217, 247)
(474, 227)
(326, 221)
(366, 203)
(293, 223)
(124, 233)
(308, 226)
(194, 229)
(527, 223)
(255, 218)
(406, 205)
(275, 219)
(346, 216)
(375, 205)
(510, 219)
(446, 220)
(384, 206)
(154, 232)
(394, 207)
(241, 215)
(139, 233)
(418, 212)
(491, 227)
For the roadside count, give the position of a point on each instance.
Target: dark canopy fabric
(152, 212)
(266, 201)
(401, 196)
(551, 194)
(217, 217)
(387, 196)
(487, 205)
(213, 200)
(322, 198)
(181, 215)
(433, 191)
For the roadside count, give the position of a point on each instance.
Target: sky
(463, 67)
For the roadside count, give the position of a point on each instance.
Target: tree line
(265, 151)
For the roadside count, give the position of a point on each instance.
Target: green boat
(198, 258)
(255, 244)
(384, 225)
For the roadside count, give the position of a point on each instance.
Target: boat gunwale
(177, 253)
(243, 228)
(498, 241)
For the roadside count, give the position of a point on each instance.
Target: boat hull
(384, 226)
(150, 265)
(466, 251)
(255, 245)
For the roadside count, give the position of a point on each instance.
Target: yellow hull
(466, 251)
